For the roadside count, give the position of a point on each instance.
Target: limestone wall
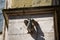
(28, 3)
(17, 30)
(1, 37)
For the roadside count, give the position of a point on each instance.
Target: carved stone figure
(30, 26)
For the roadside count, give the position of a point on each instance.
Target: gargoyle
(30, 26)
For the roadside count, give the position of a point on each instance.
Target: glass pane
(1, 16)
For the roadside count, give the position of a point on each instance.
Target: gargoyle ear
(26, 22)
(34, 22)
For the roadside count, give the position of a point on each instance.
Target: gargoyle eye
(26, 22)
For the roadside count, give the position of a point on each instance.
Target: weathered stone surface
(18, 31)
(28, 3)
(1, 37)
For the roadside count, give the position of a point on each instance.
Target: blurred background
(19, 4)
(2, 2)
